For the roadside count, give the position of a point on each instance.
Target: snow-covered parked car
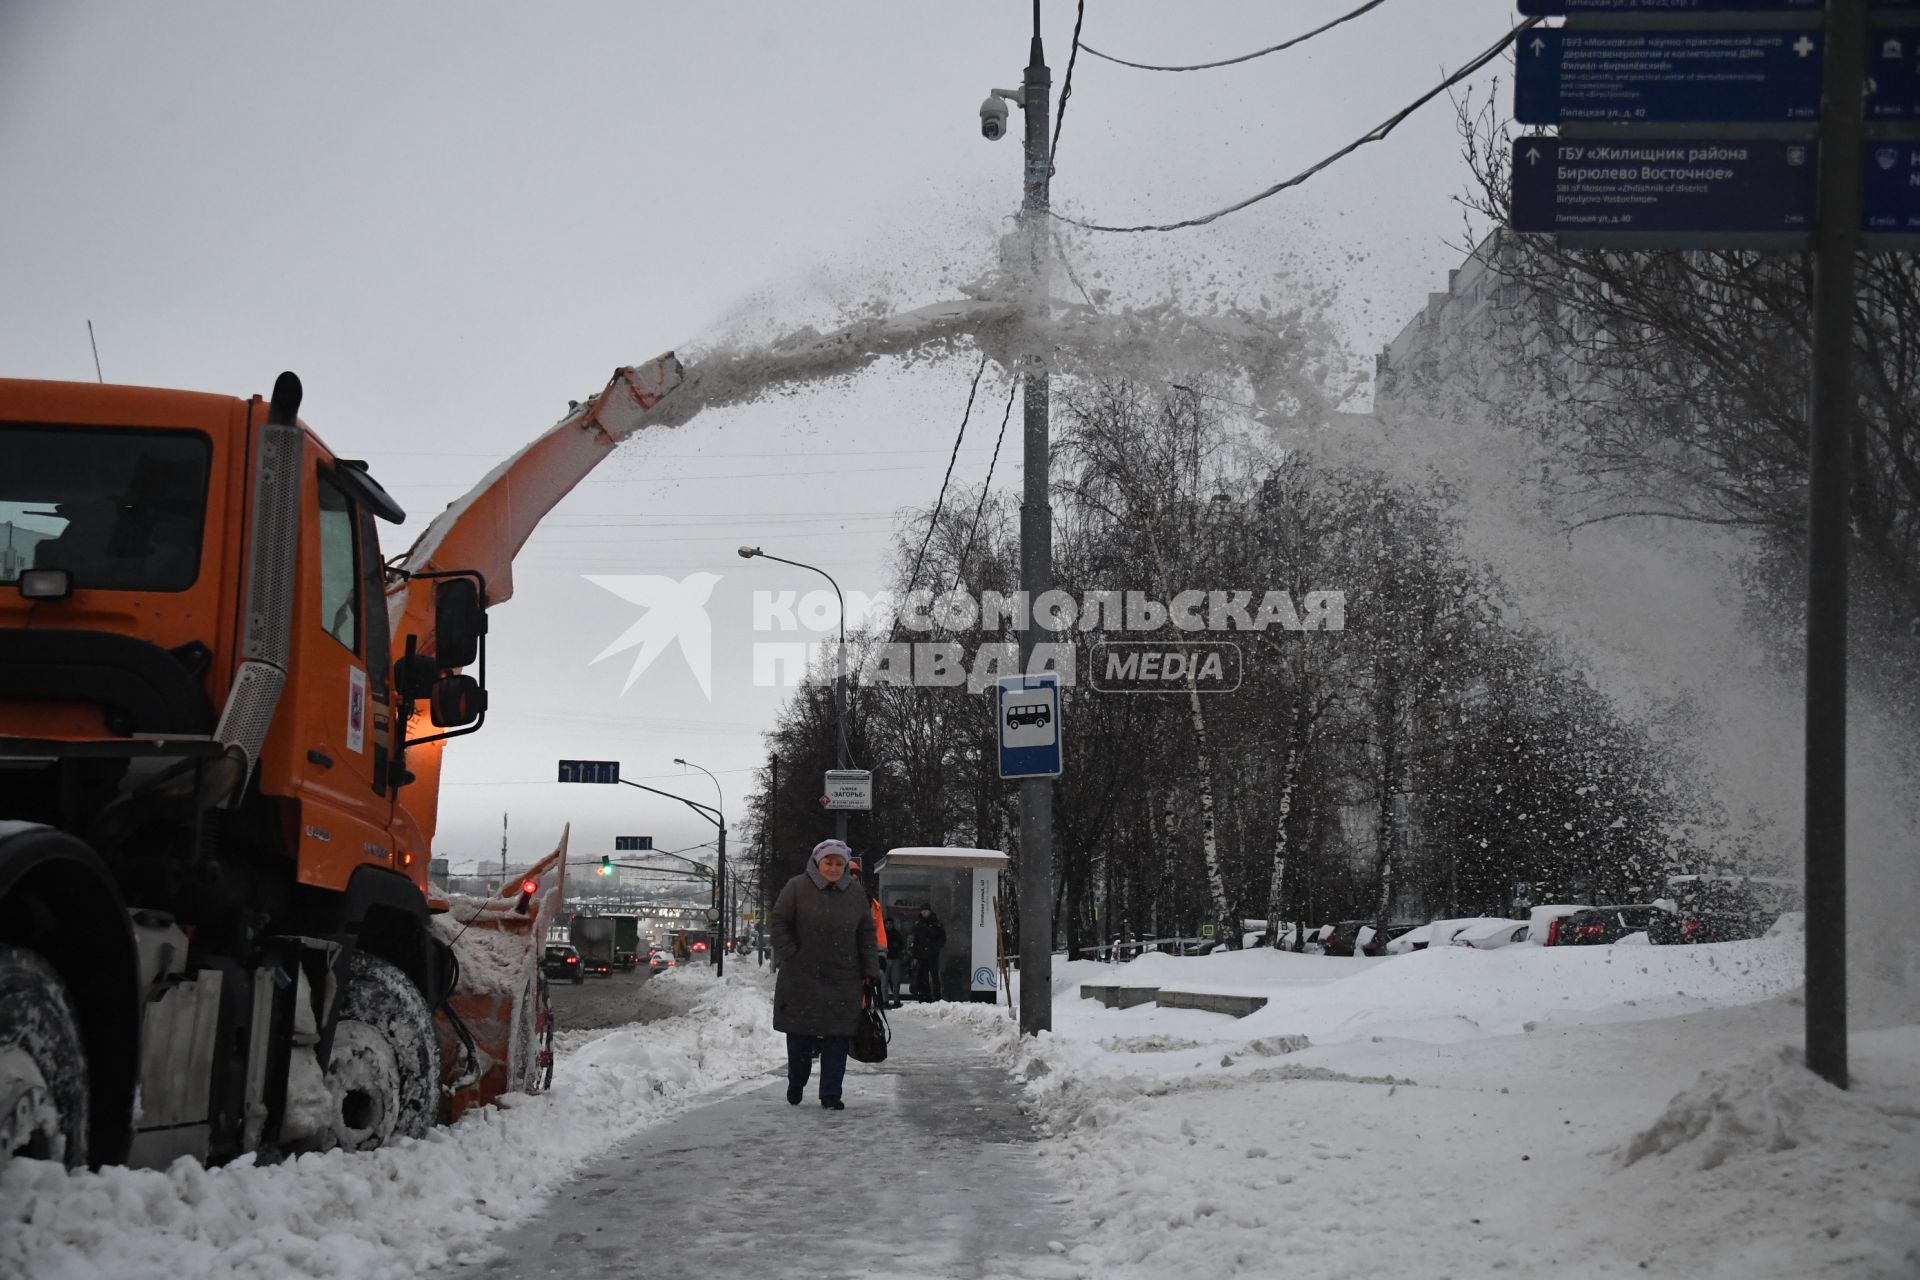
(1544, 921)
(1444, 930)
(1485, 935)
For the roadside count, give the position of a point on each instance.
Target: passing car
(562, 962)
(659, 962)
(1604, 926)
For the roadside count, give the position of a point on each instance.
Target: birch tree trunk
(1226, 929)
(1277, 881)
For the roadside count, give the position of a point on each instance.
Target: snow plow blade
(499, 1037)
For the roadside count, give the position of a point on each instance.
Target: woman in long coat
(824, 943)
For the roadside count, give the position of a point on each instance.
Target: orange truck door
(344, 800)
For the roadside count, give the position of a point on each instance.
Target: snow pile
(1769, 1104)
(1766, 1105)
(1464, 1112)
(398, 1211)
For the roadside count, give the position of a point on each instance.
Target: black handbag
(871, 1036)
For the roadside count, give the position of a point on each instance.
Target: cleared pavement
(929, 1172)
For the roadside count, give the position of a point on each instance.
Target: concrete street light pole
(1036, 550)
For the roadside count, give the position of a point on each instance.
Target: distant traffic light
(606, 865)
(528, 888)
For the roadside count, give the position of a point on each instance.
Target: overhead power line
(960, 565)
(1066, 86)
(933, 521)
(1245, 57)
(1376, 134)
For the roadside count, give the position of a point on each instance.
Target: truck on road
(628, 946)
(593, 938)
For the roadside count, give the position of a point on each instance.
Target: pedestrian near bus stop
(822, 933)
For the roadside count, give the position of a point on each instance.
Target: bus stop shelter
(963, 888)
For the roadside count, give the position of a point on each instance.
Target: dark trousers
(926, 977)
(833, 1062)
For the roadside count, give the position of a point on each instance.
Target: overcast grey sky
(451, 219)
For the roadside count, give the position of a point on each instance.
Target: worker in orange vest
(879, 922)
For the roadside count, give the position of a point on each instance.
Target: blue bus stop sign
(1027, 710)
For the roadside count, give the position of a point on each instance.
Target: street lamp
(722, 925)
(840, 679)
(711, 814)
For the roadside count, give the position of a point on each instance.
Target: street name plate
(1667, 77)
(849, 789)
(1664, 186)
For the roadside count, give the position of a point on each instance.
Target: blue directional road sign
(1029, 718)
(1893, 74)
(590, 771)
(1892, 191)
(1666, 77)
(1664, 186)
(632, 844)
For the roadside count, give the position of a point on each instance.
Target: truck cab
(205, 846)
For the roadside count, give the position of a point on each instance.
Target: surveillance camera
(993, 118)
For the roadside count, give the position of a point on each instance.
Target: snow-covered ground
(399, 1211)
(1595, 1111)
(1592, 1111)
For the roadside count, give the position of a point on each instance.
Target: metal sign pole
(1829, 430)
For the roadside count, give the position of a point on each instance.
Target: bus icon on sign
(1039, 714)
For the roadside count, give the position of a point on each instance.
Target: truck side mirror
(456, 701)
(459, 620)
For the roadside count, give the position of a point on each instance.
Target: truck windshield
(118, 509)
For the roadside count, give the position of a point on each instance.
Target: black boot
(832, 1104)
(793, 1095)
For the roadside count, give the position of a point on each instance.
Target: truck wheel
(385, 1070)
(43, 1068)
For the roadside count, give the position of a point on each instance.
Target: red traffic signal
(529, 886)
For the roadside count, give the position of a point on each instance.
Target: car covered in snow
(1544, 922)
(1723, 908)
(1604, 926)
(1486, 935)
(1439, 933)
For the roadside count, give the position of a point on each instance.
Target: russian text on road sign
(1028, 715)
(1663, 186)
(589, 771)
(1892, 188)
(623, 844)
(849, 789)
(1664, 77)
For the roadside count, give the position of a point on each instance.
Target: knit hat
(828, 848)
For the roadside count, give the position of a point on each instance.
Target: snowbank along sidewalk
(1581, 1111)
(399, 1211)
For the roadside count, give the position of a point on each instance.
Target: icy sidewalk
(931, 1172)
